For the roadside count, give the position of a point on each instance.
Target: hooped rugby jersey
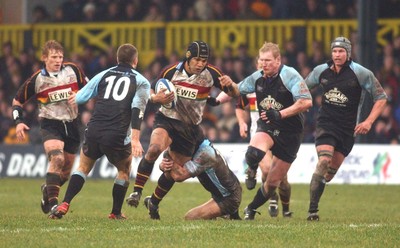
(52, 91)
(192, 91)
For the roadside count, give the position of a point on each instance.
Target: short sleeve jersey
(278, 92)
(343, 93)
(117, 91)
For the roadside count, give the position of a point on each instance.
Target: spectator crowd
(220, 122)
(204, 10)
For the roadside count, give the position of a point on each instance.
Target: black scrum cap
(197, 49)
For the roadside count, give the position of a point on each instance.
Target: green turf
(351, 216)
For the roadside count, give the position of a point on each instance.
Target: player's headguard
(198, 49)
(342, 42)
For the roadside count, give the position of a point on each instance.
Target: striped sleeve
(27, 89)
(80, 75)
(216, 73)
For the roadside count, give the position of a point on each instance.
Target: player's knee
(123, 174)
(254, 156)
(322, 166)
(56, 158)
(153, 152)
(331, 172)
(56, 153)
(124, 169)
(324, 160)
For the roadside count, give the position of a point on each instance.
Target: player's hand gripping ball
(163, 83)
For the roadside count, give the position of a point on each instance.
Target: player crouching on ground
(213, 173)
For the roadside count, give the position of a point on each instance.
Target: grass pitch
(351, 216)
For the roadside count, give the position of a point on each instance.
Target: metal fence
(175, 36)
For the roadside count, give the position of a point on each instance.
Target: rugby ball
(164, 83)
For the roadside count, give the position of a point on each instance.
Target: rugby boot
(287, 214)
(153, 209)
(249, 213)
(313, 217)
(273, 208)
(251, 178)
(57, 211)
(45, 199)
(117, 216)
(134, 199)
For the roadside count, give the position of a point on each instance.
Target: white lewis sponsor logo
(59, 95)
(185, 92)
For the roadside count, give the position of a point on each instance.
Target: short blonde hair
(52, 45)
(271, 47)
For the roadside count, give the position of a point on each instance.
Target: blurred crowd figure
(204, 10)
(220, 122)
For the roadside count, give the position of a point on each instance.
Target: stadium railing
(174, 36)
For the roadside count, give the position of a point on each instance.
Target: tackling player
(213, 173)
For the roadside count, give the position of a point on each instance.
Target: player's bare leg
(55, 153)
(329, 162)
(75, 185)
(159, 141)
(206, 211)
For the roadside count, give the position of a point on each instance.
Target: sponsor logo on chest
(270, 103)
(59, 95)
(186, 92)
(335, 96)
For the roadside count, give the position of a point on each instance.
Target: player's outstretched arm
(229, 86)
